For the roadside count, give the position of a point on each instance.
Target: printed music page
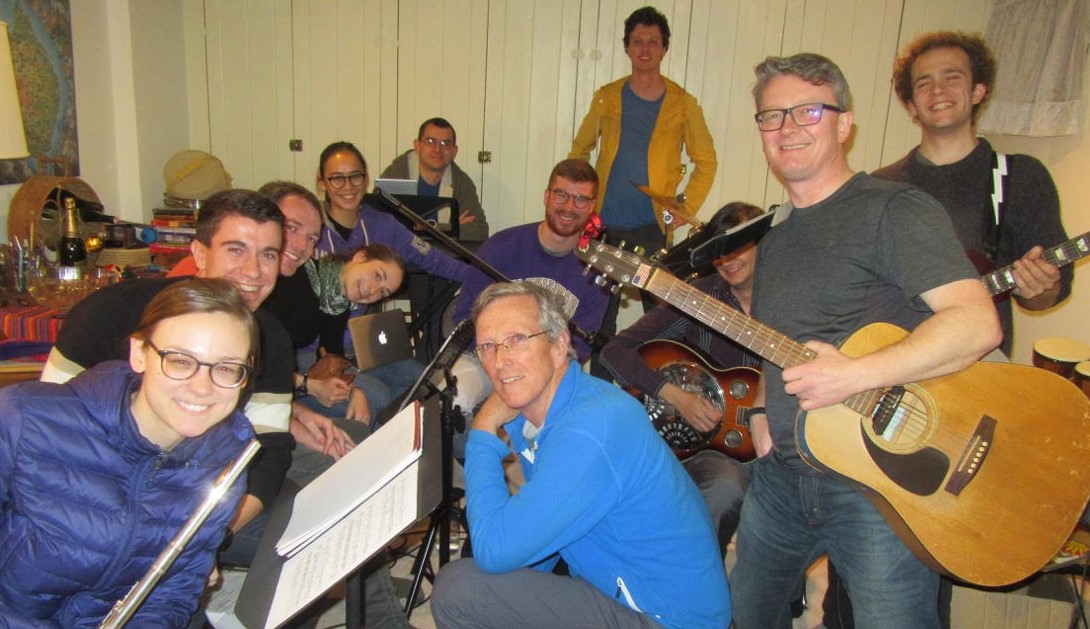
(353, 479)
(320, 565)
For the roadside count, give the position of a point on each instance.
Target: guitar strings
(781, 350)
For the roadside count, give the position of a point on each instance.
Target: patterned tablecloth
(31, 323)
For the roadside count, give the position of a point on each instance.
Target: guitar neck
(1002, 280)
(730, 322)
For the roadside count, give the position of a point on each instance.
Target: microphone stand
(595, 339)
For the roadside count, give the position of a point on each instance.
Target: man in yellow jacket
(640, 124)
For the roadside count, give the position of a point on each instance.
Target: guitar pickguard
(919, 472)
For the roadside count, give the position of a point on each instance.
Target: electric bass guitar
(982, 473)
(1002, 281)
(732, 391)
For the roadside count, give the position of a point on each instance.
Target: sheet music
(321, 564)
(352, 480)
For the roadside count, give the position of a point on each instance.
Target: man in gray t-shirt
(853, 251)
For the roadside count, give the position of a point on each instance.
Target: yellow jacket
(680, 123)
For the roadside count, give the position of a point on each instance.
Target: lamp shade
(12, 136)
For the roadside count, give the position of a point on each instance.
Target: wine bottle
(71, 251)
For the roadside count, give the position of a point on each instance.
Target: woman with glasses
(349, 223)
(99, 474)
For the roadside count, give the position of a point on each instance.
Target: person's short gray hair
(810, 67)
(550, 305)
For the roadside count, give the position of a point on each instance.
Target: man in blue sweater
(602, 491)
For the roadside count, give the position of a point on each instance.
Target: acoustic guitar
(982, 473)
(732, 391)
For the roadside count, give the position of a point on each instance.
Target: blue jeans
(789, 519)
(722, 482)
(382, 385)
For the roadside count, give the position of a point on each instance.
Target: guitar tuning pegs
(638, 250)
(600, 280)
(621, 245)
(615, 289)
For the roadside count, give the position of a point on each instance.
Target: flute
(125, 607)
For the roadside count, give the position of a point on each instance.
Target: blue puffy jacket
(87, 503)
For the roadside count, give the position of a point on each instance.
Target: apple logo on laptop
(382, 337)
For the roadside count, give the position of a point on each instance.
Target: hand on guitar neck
(1037, 281)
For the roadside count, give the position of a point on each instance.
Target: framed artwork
(40, 32)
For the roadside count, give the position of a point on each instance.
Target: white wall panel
(249, 117)
(441, 56)
(529, 103)
(344, 64)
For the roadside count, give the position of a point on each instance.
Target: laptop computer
(380, 338)
(441, 212)
(397, 187)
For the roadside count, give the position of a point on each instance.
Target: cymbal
(671, 205)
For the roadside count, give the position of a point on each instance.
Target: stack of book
(175, 225)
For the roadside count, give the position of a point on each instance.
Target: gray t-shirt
(862, 255)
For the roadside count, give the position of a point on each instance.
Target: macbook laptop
(396, 187)
(380, 338)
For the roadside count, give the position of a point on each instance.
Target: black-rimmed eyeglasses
(804, 115)
(181, 366)
(513, 343)
(578, 200)
(354, 179)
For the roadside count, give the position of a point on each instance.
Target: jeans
(382, 385)
(472, 388)
(789, 518)
(722, 482)
(525, 598)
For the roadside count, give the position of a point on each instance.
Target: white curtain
(1040, 46)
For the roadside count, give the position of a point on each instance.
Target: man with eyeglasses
(1001, 214)
(853, 250)
(545, 249)
(602, 492)
(431, 163)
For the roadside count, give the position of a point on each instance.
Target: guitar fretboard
(1001, 281)
(736, 325)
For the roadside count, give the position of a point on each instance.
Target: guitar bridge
(973, 456)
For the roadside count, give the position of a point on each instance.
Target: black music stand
(448, 510)
(702, 253)
(256, 598)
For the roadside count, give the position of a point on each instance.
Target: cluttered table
(29, 331)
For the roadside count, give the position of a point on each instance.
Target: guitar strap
(999, 193)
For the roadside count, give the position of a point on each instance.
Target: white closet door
(345, 69)
(529, 104)
(248, 50)
(441, 60)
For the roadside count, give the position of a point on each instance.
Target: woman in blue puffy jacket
(98, 475)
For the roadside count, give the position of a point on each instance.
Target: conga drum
(1082, 376)
(1060, 355)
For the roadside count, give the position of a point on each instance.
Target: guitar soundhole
(693, 378)
(901, 421)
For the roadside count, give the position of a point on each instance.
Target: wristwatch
(301, 390)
